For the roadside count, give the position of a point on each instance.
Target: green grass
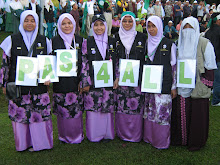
(114, 152)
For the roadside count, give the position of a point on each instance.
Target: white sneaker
(216, 105)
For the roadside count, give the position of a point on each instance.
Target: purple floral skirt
(67, 105)
(30, 108)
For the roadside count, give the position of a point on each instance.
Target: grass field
(114, 152)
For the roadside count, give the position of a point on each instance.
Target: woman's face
(152, 29)
(187, 26)
(29, 23)
(66, 26)
(99, 27)
(127, 23)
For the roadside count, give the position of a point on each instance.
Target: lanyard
(71, 45)
(147, 56)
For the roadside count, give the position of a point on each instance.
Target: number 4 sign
(103, 73)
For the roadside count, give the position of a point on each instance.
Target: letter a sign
(129, 72)
(186, 73)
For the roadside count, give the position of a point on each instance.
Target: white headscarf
(7, 6)
(188, 39)
(48, 6)
(63, 3)
(33, 5)
(2, 4)
(16, 5)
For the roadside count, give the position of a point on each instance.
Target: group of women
(137, 116)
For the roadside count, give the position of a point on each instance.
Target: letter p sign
(26, 71)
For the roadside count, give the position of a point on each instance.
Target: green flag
(146, 4)
(83, 30)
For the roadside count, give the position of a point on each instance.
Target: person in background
(8, 22)
(194, 9)
(108, 15)
(179, 25)
(203, 26)
(213, 34)
(214, 8)
(63, 5)
(132, 6)
(141, 11)
(139, 27)
(150, 10)
(75, 13)
(97, 9)
(201, 10)
(208, 15)
(157, 9)
(16, 10)
(122, 6)
(190, 115)
(30, 113)
(170, 31)
(177, 13)
(90, 14)
(168, 12)
(115, 25)
(49, 17)
(33, 5)
(186, 10)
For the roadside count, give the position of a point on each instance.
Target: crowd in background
(171, 12)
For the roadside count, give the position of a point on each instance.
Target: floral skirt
(67, 105)
(30, 108)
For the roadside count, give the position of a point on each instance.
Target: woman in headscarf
(67, 101)
(33, 5)
(190, 115)
(30, 113)
(130, 100)
(49, 17)
(16, 10)
(98, 102)
(160, 51)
